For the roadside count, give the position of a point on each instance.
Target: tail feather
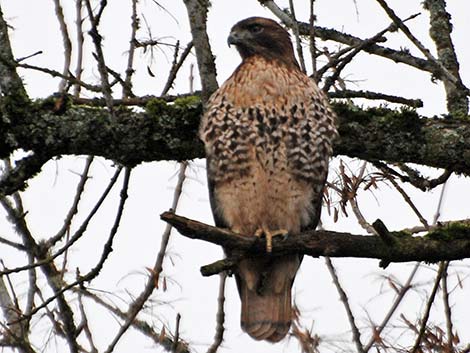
(265, 293)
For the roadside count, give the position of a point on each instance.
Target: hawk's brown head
(263, 37)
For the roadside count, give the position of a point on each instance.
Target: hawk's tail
(265, 292)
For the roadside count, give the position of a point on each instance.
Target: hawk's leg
(269, 234)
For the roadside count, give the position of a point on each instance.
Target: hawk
(268, 133)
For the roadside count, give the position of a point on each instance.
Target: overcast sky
(137, 244)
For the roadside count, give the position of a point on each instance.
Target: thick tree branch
(451, 242)
(168, 132)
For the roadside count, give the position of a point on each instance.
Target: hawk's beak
(233, 38)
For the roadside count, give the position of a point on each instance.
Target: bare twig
(408, 200)
(139, 302)
(312, 44)
(79, 42)
(84, 324)
(174, 349)
(13, 244)
(415, 103)
(401, 294)
(161, 338)
(127, 86)
(220, 318)
(441, 68)
(104, 254)
(177, 63)
(424, 320)
(45, 259)
(347, 59)
(298, 41)
(74, 208)
(67, 77)
(344, 38)
(447, 308)
(102, 69)
(344, 299)
(66, 42)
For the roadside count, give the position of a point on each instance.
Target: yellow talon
(269, 236)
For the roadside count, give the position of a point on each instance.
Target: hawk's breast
(267, 133)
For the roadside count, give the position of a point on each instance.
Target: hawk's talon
(269, 236)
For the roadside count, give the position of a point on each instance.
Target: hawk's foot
(269, 234)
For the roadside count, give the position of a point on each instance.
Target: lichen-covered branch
(197, 14)
(440, 29)
(168, 132)
(450, 242)
(10, 81)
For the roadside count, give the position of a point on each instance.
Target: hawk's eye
(255, 29)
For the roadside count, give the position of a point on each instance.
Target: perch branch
(451, 242)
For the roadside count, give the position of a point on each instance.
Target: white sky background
(50, 194)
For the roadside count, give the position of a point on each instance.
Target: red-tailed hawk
(268, 134)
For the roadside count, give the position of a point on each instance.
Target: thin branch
(66, 43)
(408, 200)
(139, 302)
(312, 44)
(298, 42)
(74, 208)
(360, 217)
(45, 259)
(13, 244)
(413, 176)
(160, 338)
(84, 324)
(344, 38)
(424, 320)
(131, 101)
(441, 68)
(68, 77)
(415, 103)
(344, 299)
(104, 254)
(174, 349)
(127, 87)
(357, 49)
(447, 308)
(80, 42)
(177, 63)
(401, 294)
(102, 69)
(220, 317)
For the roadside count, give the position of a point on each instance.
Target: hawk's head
(264, 37)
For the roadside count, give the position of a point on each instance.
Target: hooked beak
(233, 38)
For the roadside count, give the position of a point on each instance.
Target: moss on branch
(167, 131)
